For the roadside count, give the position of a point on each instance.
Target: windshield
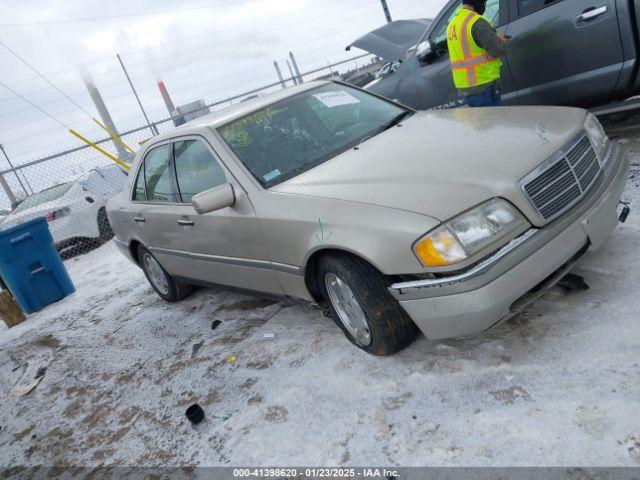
(289, 137)
(44, 196)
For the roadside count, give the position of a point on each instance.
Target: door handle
(139, 219)
(185, 223)
(591, 14)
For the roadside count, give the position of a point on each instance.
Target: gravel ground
(557, 385)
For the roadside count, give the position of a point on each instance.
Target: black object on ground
(573, 283)
(624, 213)
(215, 324)
(195, 414)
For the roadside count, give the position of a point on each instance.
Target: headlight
(491, 223)
(598, 137)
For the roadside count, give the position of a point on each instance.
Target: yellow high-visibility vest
(471, 64)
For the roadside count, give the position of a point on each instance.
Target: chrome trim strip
(241, 262)
(550, 162)
(286, 268)
(480, 267)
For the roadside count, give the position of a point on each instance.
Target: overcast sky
(201, 49)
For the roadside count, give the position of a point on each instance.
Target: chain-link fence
(71, 188)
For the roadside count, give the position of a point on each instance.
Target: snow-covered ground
(280, 385)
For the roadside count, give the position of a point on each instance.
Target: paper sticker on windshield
(336, 99)
(271, 175)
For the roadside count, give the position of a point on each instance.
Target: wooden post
(9, 310)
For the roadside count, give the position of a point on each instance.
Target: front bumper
(476, 300)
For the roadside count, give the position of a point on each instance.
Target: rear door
(153, 195)
(564, 52)
(434, 80)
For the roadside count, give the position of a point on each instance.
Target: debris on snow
(31, 377)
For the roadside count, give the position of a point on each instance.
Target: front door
(222, 247)
(564, 52)
(434, 81)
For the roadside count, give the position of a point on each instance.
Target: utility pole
(152, 127)
(94, 93)
(275, 64)
(295, 67)
(14, 170)
(7, 189)
(387, 14)
(293, 77)
(24, 177)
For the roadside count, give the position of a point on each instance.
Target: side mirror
(410, 51)
(425, 50)
(214, 199)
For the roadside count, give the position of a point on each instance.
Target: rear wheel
(165, 286)
(362, 307)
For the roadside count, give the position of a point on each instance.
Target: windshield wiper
(386, 126)
(395, 120)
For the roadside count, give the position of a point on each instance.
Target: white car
(75, 210)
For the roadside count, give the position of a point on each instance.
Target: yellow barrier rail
(114, 137)
(101, 150)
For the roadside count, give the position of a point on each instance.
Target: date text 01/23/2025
(317, 472)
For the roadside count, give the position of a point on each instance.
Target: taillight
(63, 212)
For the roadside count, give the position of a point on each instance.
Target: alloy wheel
(348, 309)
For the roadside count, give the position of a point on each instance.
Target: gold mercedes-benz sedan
(446, 222)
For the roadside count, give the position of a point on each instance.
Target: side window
(196, 169)
(158, 175)
(439, 34)
(139, 192)
(493, 12)
(525, 7)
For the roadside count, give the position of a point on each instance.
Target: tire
(389, 327)
(165, 286)
(104, 227)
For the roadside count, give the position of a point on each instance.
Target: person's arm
(487, 37)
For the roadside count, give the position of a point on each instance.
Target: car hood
(391, 41)
(441, 163)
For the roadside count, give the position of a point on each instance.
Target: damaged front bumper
(493, 290)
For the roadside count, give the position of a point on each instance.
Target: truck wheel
(104, 227)
(362, 307)
(169, 289)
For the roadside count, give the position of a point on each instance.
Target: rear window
(48, 195)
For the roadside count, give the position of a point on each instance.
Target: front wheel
(165, 286)
(362, 307)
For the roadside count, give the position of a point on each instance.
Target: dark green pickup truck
(562, 52)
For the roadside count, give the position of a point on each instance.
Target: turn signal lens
(439, 249)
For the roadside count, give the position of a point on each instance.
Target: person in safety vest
(475, 49)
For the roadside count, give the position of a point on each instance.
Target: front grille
(564, 180)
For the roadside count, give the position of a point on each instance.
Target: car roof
(217, 119)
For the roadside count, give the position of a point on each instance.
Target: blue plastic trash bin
(31, 266)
